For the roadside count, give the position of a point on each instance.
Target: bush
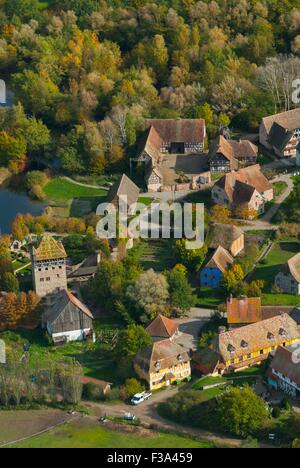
(92, 392)
(36, 192)
(113, 395)
(130, 388)
(276, 412)
(36, 178)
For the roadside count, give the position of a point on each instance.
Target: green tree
(9, 282)
(181, 293)
(130, 388)
(241, 412)
(131, 340)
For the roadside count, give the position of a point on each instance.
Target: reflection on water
(14, 200)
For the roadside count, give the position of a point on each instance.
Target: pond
(12, 203)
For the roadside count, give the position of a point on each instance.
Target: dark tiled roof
(279, 136)
(206, 360)
(65, 300)
(179, 130)
(124, 187)
(233, 150)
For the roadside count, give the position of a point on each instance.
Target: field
(15, 425)
(87, 434)
(266, 271)
(70, 199)
(156, 254)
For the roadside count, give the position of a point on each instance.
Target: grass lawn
(60, 189)
(72, 435)
(279, 188)
(280, 253)
(210, 298)
(68, 199)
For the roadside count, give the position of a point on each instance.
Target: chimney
(230, 299)
(222, 330)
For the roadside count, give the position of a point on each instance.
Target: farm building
(67, 319)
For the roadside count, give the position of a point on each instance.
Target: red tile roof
(162, 327)
(244, 310)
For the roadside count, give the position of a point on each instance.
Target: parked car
(140, 398)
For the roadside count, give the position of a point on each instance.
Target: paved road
(191, 326)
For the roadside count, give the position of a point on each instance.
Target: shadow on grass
(85, 205)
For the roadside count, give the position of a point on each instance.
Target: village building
(246, 189)
(124, 194)
(86, 270)
(162, 363)
(288, 279)
(180, 136)
(67, 319)
(229, 236)
(172, 149)
(226, 155)
(246, 346)
(162, 328)
(211, 275)
(103, 386)
(49, 269)
(281, 133)
(243, 310)
(284, 371)
(206, 362)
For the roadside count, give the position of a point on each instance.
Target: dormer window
(157, 366)
(282, 332)
(271, 336)
(244, 344)
(231, 348)
(179, 357)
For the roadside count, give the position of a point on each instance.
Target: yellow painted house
(162, 363)
(245, 346)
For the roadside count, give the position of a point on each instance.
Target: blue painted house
(211, 275)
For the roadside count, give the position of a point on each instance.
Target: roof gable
(65, 299)
(162, 327)
(49, 249)
(124, 188)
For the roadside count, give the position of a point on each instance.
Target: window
(48, 279)
(42, 280)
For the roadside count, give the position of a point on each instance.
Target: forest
(86, 73)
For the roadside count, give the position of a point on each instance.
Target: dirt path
(147, 413)
(81, 184)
